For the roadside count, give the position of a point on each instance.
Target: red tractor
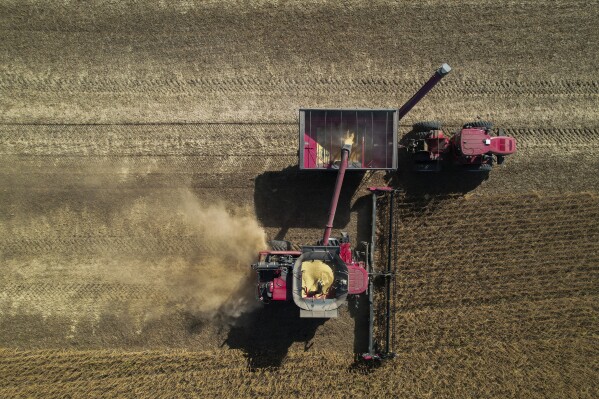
(475, 148)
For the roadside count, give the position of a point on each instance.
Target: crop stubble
(107, 115)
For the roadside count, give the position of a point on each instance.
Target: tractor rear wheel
(427, 126)
(279, 245)
(483, 124)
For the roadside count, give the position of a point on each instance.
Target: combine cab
(317, 278)
(323, 278)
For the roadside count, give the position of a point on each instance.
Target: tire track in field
(101, 373)
(281, 85)
(98, 244)
(529, 319)
(200, 142)
(80, 291)
(485, 256)
(216, 140)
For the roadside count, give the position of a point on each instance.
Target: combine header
(318, 278)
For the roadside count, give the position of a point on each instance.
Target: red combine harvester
(318, 278)
(474, 148)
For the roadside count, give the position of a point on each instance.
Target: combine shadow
(363, 210)
(359, 311)
(266, 335)
(294, 198)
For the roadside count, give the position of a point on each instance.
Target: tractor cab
(473, 141)
(471, 149)
(477, 150)
(323, 276)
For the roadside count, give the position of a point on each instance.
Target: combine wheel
(279, 245)
(421, 127)
(483, 124)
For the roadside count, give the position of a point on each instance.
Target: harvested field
(135, 136)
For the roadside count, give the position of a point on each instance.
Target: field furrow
(148, 151)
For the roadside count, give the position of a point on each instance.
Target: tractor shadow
(266, 335)
(450, 181)
(295, 198)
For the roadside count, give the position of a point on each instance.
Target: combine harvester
(318, 278)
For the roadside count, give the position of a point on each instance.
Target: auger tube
(338, 183)
(436, 78)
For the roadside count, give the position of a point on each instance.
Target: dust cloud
(217, 279)
(129, 254)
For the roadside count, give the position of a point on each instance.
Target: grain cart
(475, 148)
(318, 278)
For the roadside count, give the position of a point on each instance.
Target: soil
(113, 114)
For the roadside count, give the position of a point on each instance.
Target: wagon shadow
(295, 198)
(266, 335)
